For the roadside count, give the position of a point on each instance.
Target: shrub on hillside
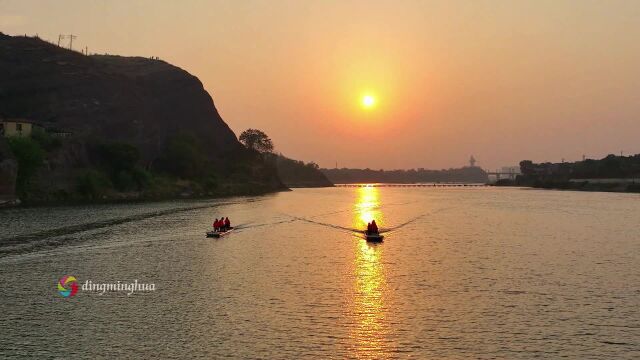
(30, 156)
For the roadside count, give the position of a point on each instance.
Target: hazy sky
(502, 80)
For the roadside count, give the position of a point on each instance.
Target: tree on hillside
(30, 156)
(257, 140)
(184, 157)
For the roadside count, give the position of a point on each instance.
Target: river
(463, 273)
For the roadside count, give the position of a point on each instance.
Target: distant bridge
(412, 185)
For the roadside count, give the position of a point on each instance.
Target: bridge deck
(413, 185)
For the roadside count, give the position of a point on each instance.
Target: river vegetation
(113, 170)
(89, 169)
(296, 173)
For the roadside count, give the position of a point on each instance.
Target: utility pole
(70, 37)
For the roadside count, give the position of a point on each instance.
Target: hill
(131, 99)
(133, 127)
(295, 173)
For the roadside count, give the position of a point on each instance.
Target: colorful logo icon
(68, 286)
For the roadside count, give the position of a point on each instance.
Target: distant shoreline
(467, 174)
(417, 184)
(586, 185)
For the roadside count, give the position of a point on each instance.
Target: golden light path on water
(367, 207)
(368, 308)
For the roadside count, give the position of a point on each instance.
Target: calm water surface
(463, 273)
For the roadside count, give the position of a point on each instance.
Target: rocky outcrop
(130, 99)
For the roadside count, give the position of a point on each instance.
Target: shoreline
(621, 188)
(578, 185)
(16, 203)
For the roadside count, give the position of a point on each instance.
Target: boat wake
(383, 230)
(250, 225)
(337, 227)
(63, 235)
(409, 222)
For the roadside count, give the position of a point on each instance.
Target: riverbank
(594, 185)
(138, 197)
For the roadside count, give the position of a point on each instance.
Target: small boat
(373, 237)
(218, 234)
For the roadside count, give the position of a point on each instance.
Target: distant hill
(352, 176)
(134, 128)
(295, 173)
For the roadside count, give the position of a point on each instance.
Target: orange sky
(502, 80)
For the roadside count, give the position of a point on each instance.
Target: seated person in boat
(227, 223)
(221, 224)
(373, 228)
(216, 224)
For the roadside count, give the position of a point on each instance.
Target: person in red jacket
(227, 223)
(216, 224)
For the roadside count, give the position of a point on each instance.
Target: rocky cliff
(131, 99)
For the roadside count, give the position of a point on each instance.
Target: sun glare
(368, 101)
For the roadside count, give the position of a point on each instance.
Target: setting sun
(368, 101)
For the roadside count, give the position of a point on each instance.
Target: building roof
(18, 120)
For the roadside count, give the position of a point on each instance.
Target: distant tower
(472, 161)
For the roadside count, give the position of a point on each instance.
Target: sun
(368, 101)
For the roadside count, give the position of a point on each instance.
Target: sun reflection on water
(368, 307)
(367, 207)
